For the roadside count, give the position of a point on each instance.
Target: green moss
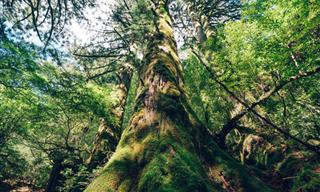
(169, 104)
(120, 166)
(125, 139)
(274, 156)
(139, 103)
(165, 143)
(165, 68)
(233, 171)
(187, 171)
(173, 169)
(289, 166)
(105, 182)
(143, 132)
(257, 151)
(307, 180)
(152, 176)
(151, 144)
(125, 185)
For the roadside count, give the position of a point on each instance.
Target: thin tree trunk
(238, 114)
(55, 176)
(107, 138)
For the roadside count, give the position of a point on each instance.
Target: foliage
(49, 110)
(268, 45)
(51, 106)
(307, 180)
(271, 43)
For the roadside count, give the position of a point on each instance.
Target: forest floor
(18, 186)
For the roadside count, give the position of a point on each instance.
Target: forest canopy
(159, 95)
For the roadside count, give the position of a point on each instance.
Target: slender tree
(109, 135)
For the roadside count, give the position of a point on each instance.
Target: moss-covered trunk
(165, 148)
(108, 136)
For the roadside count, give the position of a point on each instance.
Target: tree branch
(231, 124)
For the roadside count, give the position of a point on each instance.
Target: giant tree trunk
(165, 148)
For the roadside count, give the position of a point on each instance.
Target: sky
(81, 33)
(84, 34)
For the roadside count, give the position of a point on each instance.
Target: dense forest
(160, 95)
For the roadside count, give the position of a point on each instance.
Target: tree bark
(107, 138)
(165, 148)
(55, 178)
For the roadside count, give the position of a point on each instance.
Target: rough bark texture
(107, 138)
(165, 148)
(104, 143)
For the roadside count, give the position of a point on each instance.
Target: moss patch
(307, 180)
(221, 164)
(173, 169)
